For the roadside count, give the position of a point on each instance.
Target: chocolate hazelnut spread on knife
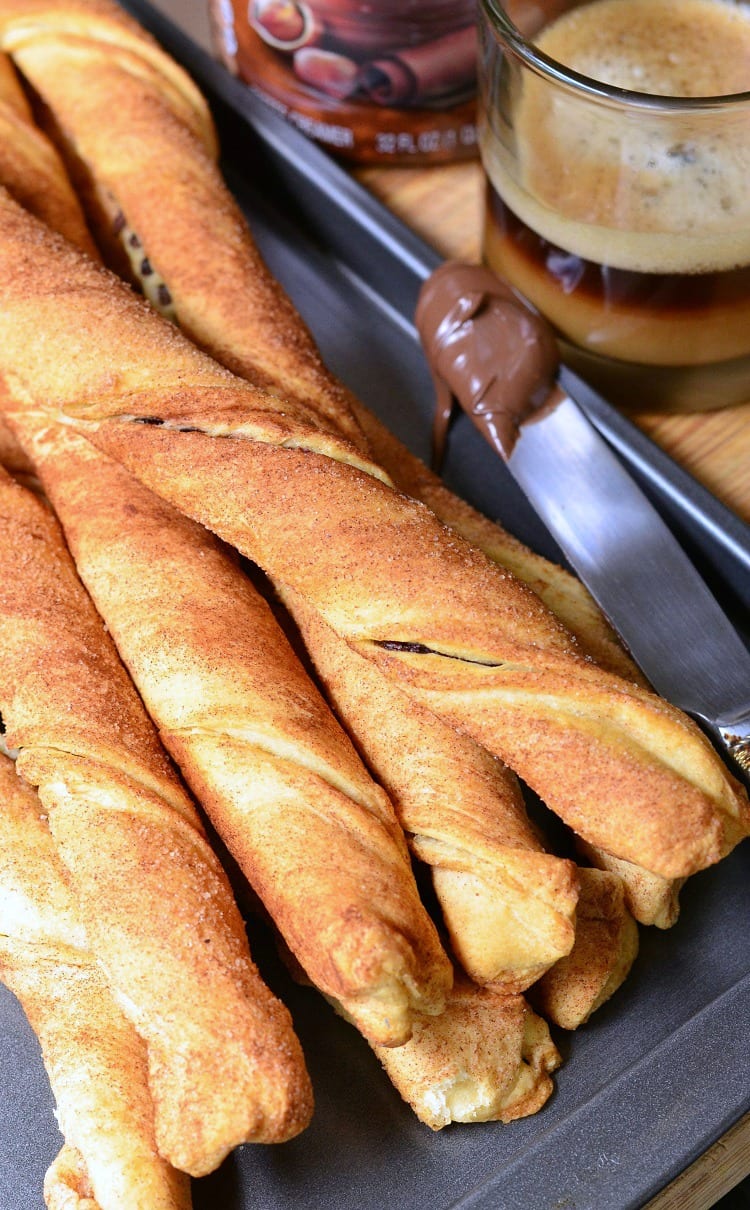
(486, 350)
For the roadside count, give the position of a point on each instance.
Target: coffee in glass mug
(615, 138)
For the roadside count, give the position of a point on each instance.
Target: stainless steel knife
(637, 571)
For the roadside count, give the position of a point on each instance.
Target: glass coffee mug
(615, 139)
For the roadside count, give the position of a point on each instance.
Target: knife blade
(636, 571)
(490, 352)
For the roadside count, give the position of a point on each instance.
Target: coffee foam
(650, 192)
(678, 48)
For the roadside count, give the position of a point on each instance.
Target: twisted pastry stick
(224, 1064)
(149, 181)
(315, 836)
(627, 771)
(96, 1062)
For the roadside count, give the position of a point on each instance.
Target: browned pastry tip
(224, 1064)
(605, 949)
(97, 1064)
(488, 1057)
(649, 898)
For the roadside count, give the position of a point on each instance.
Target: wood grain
(715, 1174)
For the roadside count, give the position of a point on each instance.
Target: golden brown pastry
(650, 898)
(317, 839)
(29, 166)
(487, 1058)
(96, 1062)
(605, 948)
(66, 1185)
(628, 772)
(12, 456)
(224, 1064)
(508, 906)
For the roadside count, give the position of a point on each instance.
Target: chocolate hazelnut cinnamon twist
(508, 906)
(280, 781)
(97, 1064)
(224, 1064)
(626, 770)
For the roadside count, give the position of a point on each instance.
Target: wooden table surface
(443, 204)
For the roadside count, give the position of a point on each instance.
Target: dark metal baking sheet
(660, 1072)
